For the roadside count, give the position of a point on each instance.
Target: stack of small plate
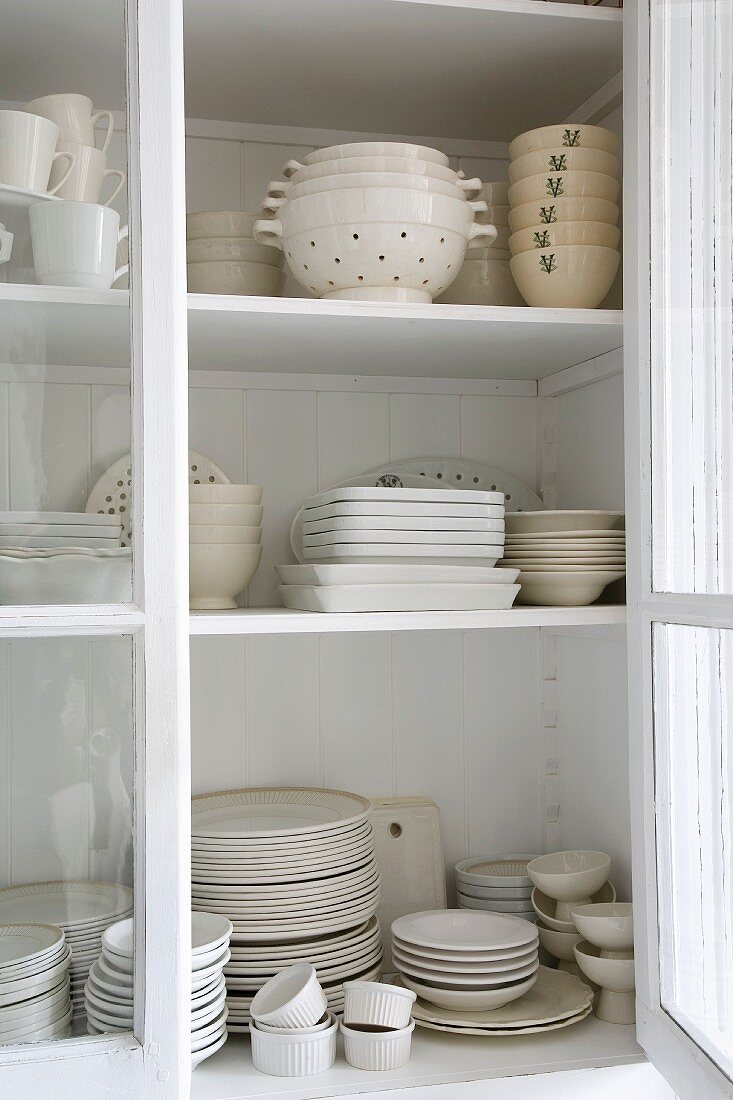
(565, 558)
(82, 910)
(109, 988)
(293, 868)
(465, 960)
(64, 530)
(34, 983)
(496, 884)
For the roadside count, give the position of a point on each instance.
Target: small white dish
(296, 1054)
(480, 1000)
(398, 597)
(293, 998)
(377, 1004)
(377, 1051)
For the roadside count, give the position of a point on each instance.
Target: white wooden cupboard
(516, 723)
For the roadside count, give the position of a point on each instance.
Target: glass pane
(66, 771)
(692, 283)
(64, 336)
(693, 720)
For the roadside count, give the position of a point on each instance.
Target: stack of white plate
(565, 558)
(64, 530)
(34, 983)
(223, 257)
(293, 868)
(465, 960)
(82, 910)
(109, 988)
(496, 884)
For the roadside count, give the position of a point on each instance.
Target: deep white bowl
(559, 944)
(565, 135)
(480, 1000)
(563, 159)
(217, 573)
(225, 494)
(378, 1004)
(570, 876)
(216, 512)
(295, 1055)
(235, 277)
(220, 223)
(377, 1051)
(549, 211)
(293, 998)
(377, 149)
(563, 233)
(346, 165)
(571, 276)
(207, 249)
(341, 182)
(609, 926)
(224, 533)
(548, 186)
(546, 907)
(484, 281)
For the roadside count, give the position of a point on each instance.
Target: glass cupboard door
(94, 789)
(680, 485)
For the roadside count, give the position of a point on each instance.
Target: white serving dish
(331, 575)
(566, 135)
(564, 523)
(366, 512)
(217, 249)
(218, 572)
(566, 276)
(357, 494)
(403, 523)
(56, 577)
(484, 281)
(294, 1055)
(425, 537)
(220, 223)
(217, 493)
(549, 211)
(377, 553)
(377, 1004)
(574, 589)
(409, 166)
(377, 1052)
(401, 149)
(563, 159)
(342, 181)
(547, 186)
(224, 533)
(564, 233)
(398, 597)
(479, 1000)
(235, 277)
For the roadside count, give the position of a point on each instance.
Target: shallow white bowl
(495, 905)
(564, 233)
(468, 979)
(550, 186)
(208, 249)
(483, 282)
(295, 1055)
(378, 1004)
(476, 1000)
(559, 944)
(248, 515)
(224, 533)
(609, 926)
(546, 907)
(565, 159)
(377, 1051)
(218, 572)
(235, 277)
(293, 998)
(342, 181)
(571, 276)
(569, 876)
(573, 589)
(549, 211)
(219, 223)
(347, 165)
(377, 149)
(568, 519)
(225, 494)
(565, 135)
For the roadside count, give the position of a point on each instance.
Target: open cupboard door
(679, 211)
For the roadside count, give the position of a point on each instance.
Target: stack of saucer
(496, 884)
(224, 258)
(485, 278)
(34, 983)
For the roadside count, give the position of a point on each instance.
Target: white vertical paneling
(4, 446)
(282, 711)
(110, 427)
(218, 727)
(111, 760)
(501, 431)
(282, 457)
(429, 742)
(356, 713)
(423, 425)
(6, 802)
(262, 162)
(353, 434)
(49, 446)
(504, 759)
(213, 180)
(589, 447)
(216, 428)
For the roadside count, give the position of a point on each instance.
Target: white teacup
(75, 244)
(74, 115)
(27, 151)
(90, 170)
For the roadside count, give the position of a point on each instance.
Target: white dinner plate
(363, 493)
(276, 811)
(70, 905)
(320, 962)
(31, 1030)
(24, 988)
(397, 597)
(391, 574)
(263, 919)
(479, 1000)
(290, 892)
(444, 966)
(285, 846)
(247, 868)
(326, 974)
(407, 538)
(463, 929)
(355, 524)
(303, 947)
(239, 908)
(24, 945)
(258, 933)
(375, 553)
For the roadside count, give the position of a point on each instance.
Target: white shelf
(310, 336)
(64, 326)
(279, 620)
(436, 1059)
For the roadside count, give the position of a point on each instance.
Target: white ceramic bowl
(225, 494)
(563, 233)
(220, 223)
(235, 277)
(377, 149)
(480, 1000)
(565, 519)
(483, 282)
(559, 944)
(548, 211)
(566, 135)
(547, 187)
(224, 533)
(615, 1003)
(546, 907)
(559, 160)
(377, 1051)
(361, 206)
(293, 1055)
(569, 876)
(293, 998)
(378, 1004)
(207, 249)
(495, 192)
(274, 204)
(609, 926)
(320, 1026)
(346, 165)
(495, 905)
(565, 277)
(494, 893)
(218, 572)
(215, 512)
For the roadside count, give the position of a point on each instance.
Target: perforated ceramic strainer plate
(112, 495)
(501, 870)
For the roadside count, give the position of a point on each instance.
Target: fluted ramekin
(293, 998)
(377, 1050)
(296, 1054)
(378, 1004)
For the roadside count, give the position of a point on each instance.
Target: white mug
(88, 174)
(74, 115)
(6, 244)
(75, 243)
(27, 151)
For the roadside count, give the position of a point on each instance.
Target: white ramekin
(377, 1003)
(293, 998)
(324, 1023)
(295, 1054)
(377, 1050)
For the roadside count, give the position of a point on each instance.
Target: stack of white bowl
(223, 258)
(496, 884)
(293, 868)
(465, 960)
(485, 278)
(565, 558)
(109, 989)
(34, 983)
(564, 187)
(225, 531)
(381, 221)
(293, 1033)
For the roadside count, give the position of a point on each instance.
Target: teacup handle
(269, 231)
(72, 161)
(6, 244)
(121, 176)
(123, 234)
(291, 168)
(110, 126)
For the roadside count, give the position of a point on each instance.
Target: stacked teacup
(223, 257)
(293, 1033)
(225, 530)
(485, 278)
(563, 216)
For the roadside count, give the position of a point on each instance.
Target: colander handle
(269, 231)
(485, 233)
(472, 187)
(478, 206)
(276, 189)
(291, 168)
(272, 205)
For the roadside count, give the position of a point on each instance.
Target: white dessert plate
(276, 811)
(462, 956)
(377, 553)
(22, 989)
(414, 538)
(391, 574)
(398, 597)
(586, 534)
(362, 493)
(571, 521)
(519, 542)
(207, 933)
(465, 930)
(399, 523)
(447, 967)
(535, 566)
(22, 945)
(479, 1000)
(69, 905)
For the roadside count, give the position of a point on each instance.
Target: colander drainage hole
(381, 257)
(396, 279)
(421, 260)
(355, 236)
(313, 245)
(425, 282)
(360, 278)
(442, 240)
(337, 260)
(403, 234)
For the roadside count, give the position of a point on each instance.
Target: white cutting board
(408, 847)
